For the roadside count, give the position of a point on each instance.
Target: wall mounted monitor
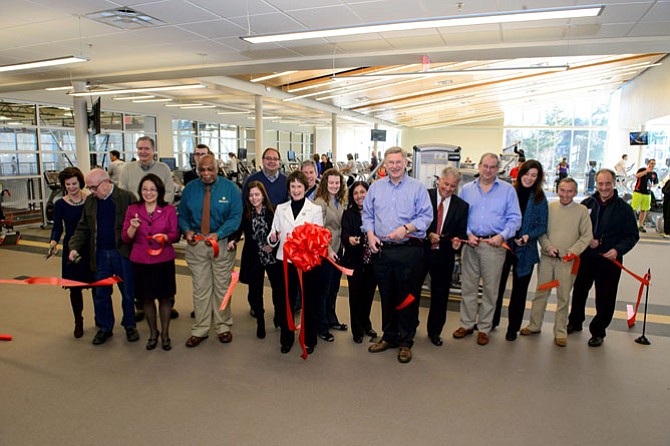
(638, 138)
(290, 155)
(242, 153)
(378, 135)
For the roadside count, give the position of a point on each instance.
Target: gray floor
(57, 390)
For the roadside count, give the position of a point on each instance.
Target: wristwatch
(406, 228)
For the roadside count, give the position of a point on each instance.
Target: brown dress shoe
(380, 346)
(195, 341)
(561, 342)
(225, 337)
(525, 331)
(404, 355)
(482, 338)
(462, 332)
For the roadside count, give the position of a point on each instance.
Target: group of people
(391, 234)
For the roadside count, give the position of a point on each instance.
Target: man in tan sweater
(569, 232)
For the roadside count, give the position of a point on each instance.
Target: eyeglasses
(271, 158)
(95, 188)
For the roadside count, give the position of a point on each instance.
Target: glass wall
(574, 131)
(36, 138)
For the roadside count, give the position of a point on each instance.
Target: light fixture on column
(435, 22)
(43, 63)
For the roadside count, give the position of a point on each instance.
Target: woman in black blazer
(258, 256)
(362, 283)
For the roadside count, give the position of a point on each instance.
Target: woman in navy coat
(535, 211)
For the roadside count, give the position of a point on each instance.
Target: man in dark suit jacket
(448, 223)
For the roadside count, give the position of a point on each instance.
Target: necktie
(204, 222)
(440, 215)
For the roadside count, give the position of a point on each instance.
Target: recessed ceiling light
(124, 18)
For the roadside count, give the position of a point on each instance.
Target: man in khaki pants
(209, 211)
(569, 232)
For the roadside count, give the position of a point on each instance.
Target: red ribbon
(160, 238)
(209, 241)
(644, 282)
(5, 337)
(57, 281)
(408, 300)
(556, 283)
(234, 278)
(504, 244)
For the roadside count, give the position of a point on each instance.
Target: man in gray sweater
(569, 232)
(132, 173)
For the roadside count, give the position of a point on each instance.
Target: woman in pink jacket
(151, 227)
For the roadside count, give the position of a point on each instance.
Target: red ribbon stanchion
(57, 281)
(210, 241)
(644, 282)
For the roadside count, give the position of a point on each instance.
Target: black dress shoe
(573, 328)
(174, 314)
(101, 337)
(192, 314)
(596, 341)
(132, 335)
(436, 340)
(358, 339)
(152, 342)
(371, 333)
(260, 329)
(511, 336)
(310, 350)
(166, 344)
(328, 337)
(339, 327)
(285, 348)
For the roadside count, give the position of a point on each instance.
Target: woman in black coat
(362, 283)
(258, 257)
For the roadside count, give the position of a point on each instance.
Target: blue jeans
(109, 262)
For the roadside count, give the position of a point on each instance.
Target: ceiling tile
(177, 12)
(289, 5)
(268, 23)
(215, 29)
(325, 17)
(228, 9)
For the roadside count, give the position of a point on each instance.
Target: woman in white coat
(296, 211)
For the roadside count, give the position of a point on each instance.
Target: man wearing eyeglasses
(199, 151)
(99, 231)
(273, 180)
(132, 173)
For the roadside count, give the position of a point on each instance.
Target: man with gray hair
(494, 216)
(449, 225)
(133, 173)
(310, 170)
(396, 214)
(569, 233)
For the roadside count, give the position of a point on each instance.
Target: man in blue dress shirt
(396, 213)
(494, 217)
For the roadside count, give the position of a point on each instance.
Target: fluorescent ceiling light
(4, 118)
(264, 117)
(455, 72)
(43, 63)
(439, 22)
(183, 105)
(132, 98)
(233, 113)
(198, 106)
(272, 76)
(69, 87)
(138, 90)
(152, 100)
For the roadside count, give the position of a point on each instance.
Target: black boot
(260, 320)
(78, 327)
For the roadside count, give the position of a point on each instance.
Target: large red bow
(306, 245)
